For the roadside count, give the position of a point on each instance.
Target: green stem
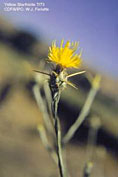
(58, 135)
(85, 110)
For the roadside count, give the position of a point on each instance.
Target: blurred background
(24, 40)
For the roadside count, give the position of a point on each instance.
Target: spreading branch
(85, 110)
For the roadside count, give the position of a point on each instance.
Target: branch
(95, 124)
(44, 139)
(85, 110)
(41, 104)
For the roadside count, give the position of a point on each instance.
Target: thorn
(72, 85)
(74, 74)
(42, 72)
(55, 73)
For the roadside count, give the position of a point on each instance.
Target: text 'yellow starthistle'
(65, 55)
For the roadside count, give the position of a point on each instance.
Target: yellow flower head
(65, 55)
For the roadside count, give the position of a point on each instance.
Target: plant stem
(42, 105)
(55, 101)
(85, 110)
(48, 124)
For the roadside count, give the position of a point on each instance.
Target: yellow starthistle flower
(65, 56)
